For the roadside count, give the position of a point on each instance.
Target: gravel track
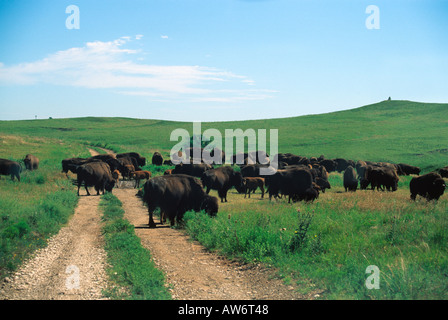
(72, 266)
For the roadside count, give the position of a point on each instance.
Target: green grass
(35, 208)
(132, 269)
(394, 131)
(347, 232)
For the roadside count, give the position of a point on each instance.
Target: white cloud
(109, 64)
(164, 37)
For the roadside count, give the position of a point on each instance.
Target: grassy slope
(396, 131)
(33, 209)
(406, 240)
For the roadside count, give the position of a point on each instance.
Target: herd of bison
(187, 186)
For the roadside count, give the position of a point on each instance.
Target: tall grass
(35, 208)
(329, 244)
(132, 268)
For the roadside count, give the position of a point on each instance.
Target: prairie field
(325, 246)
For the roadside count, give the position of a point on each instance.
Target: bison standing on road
(96, 174)
(31, 162)
(176, 194)
(10, 168)
(221, 179)
(430, 186)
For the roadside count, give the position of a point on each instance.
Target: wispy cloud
(110, 65)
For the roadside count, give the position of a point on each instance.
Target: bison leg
(87, 189)
(151, 220)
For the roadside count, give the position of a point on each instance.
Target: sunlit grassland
(394, 131)
(34, 208)
(348, 232)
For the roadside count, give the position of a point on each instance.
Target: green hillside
(395, 131)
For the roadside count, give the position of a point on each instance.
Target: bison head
(110, 185)
(210, 205)
(236, 179)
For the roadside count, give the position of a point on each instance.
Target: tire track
(192, 272)
(72, 265)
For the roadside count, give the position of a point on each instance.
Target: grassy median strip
(131, 267)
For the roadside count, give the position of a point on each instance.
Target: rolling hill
(394, 131)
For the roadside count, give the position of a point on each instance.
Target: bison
(141, 161)
(31, 162)
(95, 174)
(430, 186)
(221, 179)
(407, 169)
(10, 168)
(139, 175)
(157, 159)
(380, 178)
(291, 182)
(444, 172)
(250, 184)
(195, 170)
(350, 181)
(176, 194)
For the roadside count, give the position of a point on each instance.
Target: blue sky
(216, 60)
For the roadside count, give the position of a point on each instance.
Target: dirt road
(73, 264)
(71, 267)
(195, 273)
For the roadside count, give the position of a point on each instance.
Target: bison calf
(250, 184)
(139, 175)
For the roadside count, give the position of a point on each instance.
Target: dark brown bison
(330, 165)
(323, 184)
(406, 169)
(97, 174)
(31, 162)
(72, 164)
(430, 186)
(253, 157)
(252, 170)
(176, 194)
(342, 164)
(291, 182)
(382, 177)
(221, 179)
(350, 180)
(195, 170)
(444, 172)
(141, 161)
(10, 168)
(123, 162)
(157, 159)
